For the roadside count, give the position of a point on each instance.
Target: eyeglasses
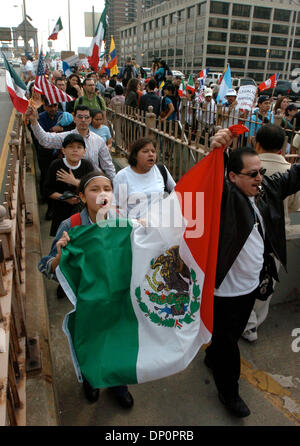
(83, 117)
(254, 173)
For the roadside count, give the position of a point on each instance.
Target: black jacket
(237, 218)
(150, 99)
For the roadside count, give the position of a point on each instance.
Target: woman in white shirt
(142, 183)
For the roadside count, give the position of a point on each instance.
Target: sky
(44, 15)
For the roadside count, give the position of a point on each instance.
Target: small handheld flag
(41, 85)
(269, 83)
(15, 87)
(58, 27)
(190, 85)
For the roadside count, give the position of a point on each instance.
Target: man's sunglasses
(254, 173)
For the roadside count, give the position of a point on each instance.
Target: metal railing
(182, 143)
(15, 346)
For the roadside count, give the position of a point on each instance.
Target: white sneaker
(250, 335)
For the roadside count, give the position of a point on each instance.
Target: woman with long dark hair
(131, 95)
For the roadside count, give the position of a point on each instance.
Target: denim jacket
(45, 263)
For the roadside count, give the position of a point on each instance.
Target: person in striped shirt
(96, 149)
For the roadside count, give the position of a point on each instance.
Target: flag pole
(70, 46)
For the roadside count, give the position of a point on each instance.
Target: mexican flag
(143, 296)
(58, 27)
(181, 89)
(16, 88)
(190, 84)
(95, 47)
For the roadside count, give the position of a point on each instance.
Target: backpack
(163, 171)
(80, 100)
(75, 220)
(128, 74)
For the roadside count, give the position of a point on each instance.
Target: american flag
(46, 88)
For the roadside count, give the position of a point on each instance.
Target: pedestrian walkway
(270, 381)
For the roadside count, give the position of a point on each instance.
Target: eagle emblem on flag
(171, 294)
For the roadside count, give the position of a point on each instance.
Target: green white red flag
(58, 27)
(190, 84)
(145, 318)
(181, 90)
(15, 87)
(95, 48)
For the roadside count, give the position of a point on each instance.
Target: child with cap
(63, 178)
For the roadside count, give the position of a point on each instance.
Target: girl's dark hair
(278, 103)
(132, 85)
(135, 148)
(119, 89)
(290, 107)
(95, 112)
(88, 176)
(73, 75)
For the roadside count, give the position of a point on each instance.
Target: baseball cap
(262, 99)
(207, 92)
(231, 92)
(73, 137)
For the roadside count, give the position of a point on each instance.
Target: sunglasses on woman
(254, 173)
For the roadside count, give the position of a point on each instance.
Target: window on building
(145, 26)
(156, 22)
(150, 24)
(178, 63)
(216, 49)
(237, 63)
(259, 40)
(171, 52)
(280, 29)
(241, 10)
(278, 41)
(239, 38)
(190, 12)
(163, 53)
(218, 23)
(214, 62)
(179, 51)
(163, 20)
(237, 51)
(296, 55)
(257, 52)
(260, 27)
(277, 54)
(256, 64)
(218, 36)
(219, 7)
(171, 18)
(262, 13)
(201, 9)
(276, 66)
(239, 24)
(297, 43)
(282, 15)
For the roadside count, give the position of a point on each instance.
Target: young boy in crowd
(63, 178)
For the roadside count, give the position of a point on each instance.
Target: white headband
(96, 176)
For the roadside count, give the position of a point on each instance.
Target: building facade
(257, 38)
(121, 13)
